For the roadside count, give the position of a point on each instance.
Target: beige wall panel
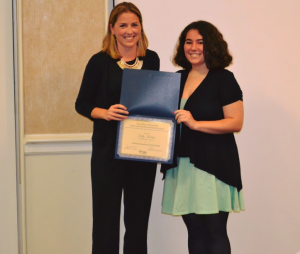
(59, 37)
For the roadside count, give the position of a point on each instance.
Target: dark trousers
(109, 179)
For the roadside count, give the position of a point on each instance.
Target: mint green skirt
(191, 190)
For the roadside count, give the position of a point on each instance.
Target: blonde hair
(109, 44)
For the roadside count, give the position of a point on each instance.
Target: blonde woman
(124, 46)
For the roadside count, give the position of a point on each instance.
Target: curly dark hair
(216, 53)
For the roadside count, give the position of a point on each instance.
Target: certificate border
(168, 160)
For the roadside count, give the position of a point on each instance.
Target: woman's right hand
(113, 113)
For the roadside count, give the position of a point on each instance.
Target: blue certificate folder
(151, 97)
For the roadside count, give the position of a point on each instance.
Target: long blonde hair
(109, 44)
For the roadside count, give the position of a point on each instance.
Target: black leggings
(207, 233)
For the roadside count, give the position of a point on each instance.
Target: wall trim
(58, 144)
(49, 138)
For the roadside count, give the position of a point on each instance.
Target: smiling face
(193, 48)
(127, 30)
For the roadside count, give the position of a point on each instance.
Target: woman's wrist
(195, 125)
(99, 113)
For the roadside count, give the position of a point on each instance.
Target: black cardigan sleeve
(229, 90)
(86, 100)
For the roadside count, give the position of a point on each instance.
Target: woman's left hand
(184, 116)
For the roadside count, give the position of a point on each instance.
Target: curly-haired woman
(204, 183)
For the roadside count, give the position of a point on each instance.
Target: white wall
(8, 196)
(264, 40)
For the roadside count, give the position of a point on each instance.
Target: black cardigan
(95, 92)
(216, 154)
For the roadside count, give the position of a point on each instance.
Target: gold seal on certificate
(145, 138)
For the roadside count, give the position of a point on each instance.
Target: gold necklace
(136, 65)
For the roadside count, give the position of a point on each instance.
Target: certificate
(146, 138)
(148, 134)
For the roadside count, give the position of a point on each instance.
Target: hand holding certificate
(148, 133)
